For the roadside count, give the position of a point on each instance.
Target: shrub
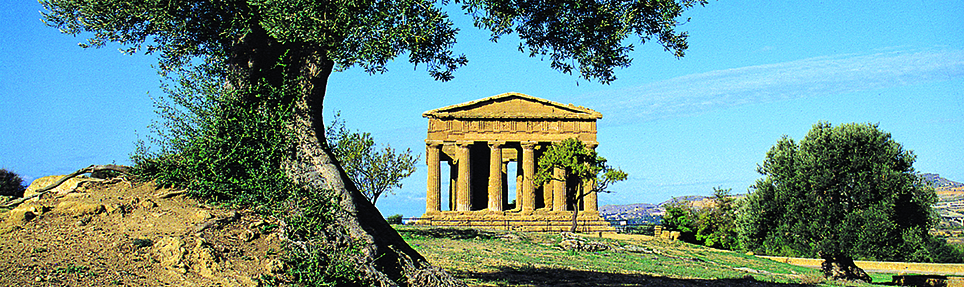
(394, 219)
(11, 184)
(225, 149)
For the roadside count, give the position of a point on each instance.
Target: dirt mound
(114, 232)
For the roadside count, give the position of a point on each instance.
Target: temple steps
(531, 221)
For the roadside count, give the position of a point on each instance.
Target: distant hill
(939, 182)
(643, 212)
(950, 192)
(947, 190)
(638, 211)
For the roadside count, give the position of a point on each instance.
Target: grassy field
(498, 258)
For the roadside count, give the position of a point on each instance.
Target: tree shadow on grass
(508, 276)
(453, 233)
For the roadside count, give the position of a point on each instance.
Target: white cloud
(782, 81)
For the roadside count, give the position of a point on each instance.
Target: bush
(11, 184)
(219, 146)
(394, 219)
(223, 148)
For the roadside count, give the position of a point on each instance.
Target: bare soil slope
(117, 233)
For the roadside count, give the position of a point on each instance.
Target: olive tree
(842, 193)
(294, 45)
(376, 171)
(585, 172)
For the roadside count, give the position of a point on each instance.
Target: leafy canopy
(591, 36)
(580, 164)
(848, 191)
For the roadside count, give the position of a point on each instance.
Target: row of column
(525, 192)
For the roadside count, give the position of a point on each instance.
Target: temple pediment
(512, 106)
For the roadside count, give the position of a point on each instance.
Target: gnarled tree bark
(384, 257)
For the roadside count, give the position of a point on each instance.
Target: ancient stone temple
(481, 141)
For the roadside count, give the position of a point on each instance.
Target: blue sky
(754, 71)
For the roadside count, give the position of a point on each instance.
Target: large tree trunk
(842, 267)
(383, 257)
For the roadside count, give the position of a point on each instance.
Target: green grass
(482, 258)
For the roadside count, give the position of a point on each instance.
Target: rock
(170, 254)
(635, 249)
(205, 259)
(147, 203)
(511, 237)
(202, 215)
(247, 235)
(571, 244)
(77, 208)
(64, 188)
(274, 266)
(115, 208)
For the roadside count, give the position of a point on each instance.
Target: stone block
(78, 208)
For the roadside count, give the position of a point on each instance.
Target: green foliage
(588, 35)
(681, 217)
(592, 37)
(219, 147)
(843, 192)
(716, 226)
(580, 164)
(11, 184)
(394, 219)
(310, 257)
(374, 171)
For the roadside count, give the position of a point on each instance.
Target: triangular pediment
(513, 105)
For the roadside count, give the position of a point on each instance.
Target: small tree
(374, 171)
(712, 225)
(842, 193)
(581, 164)
(10, 184)
(716, 226)
(680, 216)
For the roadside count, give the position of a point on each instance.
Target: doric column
(433, 193)
(519, 179)
(529, 172)
(590, 202)
(547, 194)
(559, 189)
(463, 192)
(495, 176)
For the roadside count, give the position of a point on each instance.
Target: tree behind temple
(374, 171)
(843, 193)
